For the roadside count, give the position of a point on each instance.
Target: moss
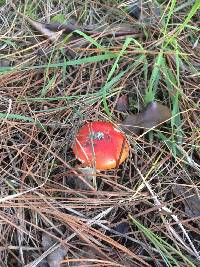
(2, 2)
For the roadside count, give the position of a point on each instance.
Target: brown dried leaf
(52, 31)
(40, 27)
(153, 115)
(122, 103)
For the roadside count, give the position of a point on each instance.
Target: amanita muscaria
(101, 145)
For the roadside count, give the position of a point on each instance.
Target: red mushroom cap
(101, 145)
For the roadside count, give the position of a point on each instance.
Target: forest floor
(110, 59)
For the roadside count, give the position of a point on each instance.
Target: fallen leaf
(43, 263)
(67, 27)
(134, 11)
(53, 30)
(75, 183)
(40, 27)
(191, 199)
(122, 227)
(122, 103)
(54, 258)
(4, 63)
(153, 115)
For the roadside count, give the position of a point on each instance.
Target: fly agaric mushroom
(101, 145)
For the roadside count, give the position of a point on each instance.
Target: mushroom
(99, 144)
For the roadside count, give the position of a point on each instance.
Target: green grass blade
(74, 62)
(155, 76)
(170, 14)
(114, 67)
(166, 248)
(107, 87)
(64, 64)
(91, 40)
(109, 84)
(183, 25)
(46, 87)
(16, 117)
(192, 12)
